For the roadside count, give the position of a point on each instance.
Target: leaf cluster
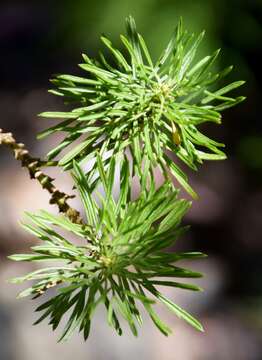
(143, 106)
(122, 260)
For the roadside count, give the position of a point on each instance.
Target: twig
(34, 166)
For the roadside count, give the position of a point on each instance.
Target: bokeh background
(41, 38)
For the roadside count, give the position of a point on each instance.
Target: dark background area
(42, 38)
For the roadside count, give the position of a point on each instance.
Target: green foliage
(126, 119)
(143, 106)
(121, 261)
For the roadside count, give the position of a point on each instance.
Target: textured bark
(34, 166)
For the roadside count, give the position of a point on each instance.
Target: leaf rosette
(145, 107)
(121, 261)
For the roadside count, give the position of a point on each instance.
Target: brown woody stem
(34, 166)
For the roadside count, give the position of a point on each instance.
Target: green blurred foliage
(250, 150)
(80, 23)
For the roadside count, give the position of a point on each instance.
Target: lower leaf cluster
(121, 263)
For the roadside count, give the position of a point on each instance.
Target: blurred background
(41, 38)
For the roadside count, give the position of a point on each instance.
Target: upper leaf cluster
(144, 106)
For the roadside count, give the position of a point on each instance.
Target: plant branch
(34, 166)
